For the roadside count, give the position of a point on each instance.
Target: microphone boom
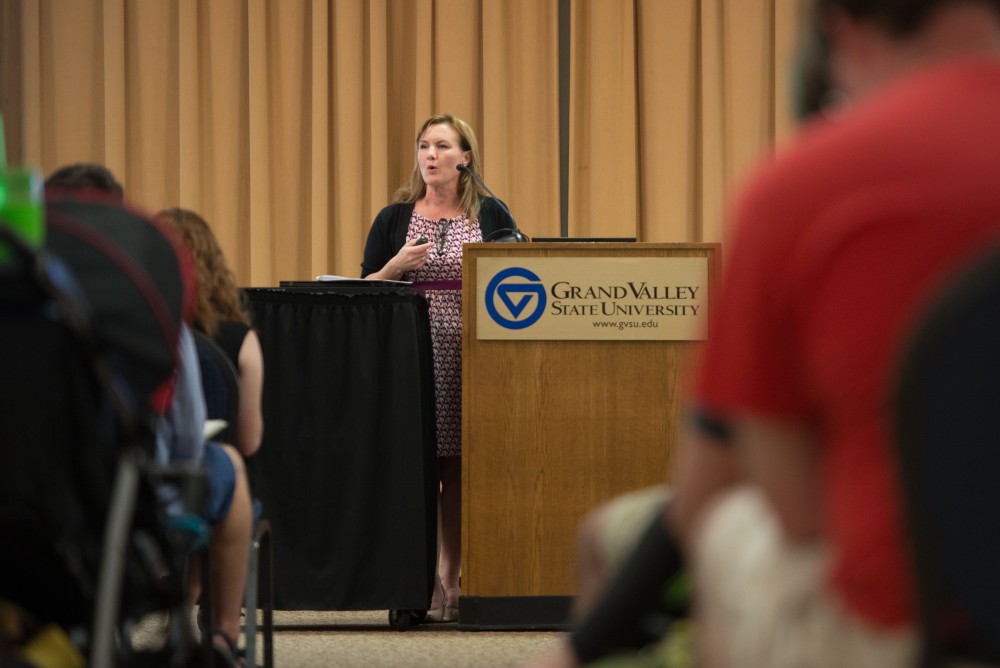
(515, 233)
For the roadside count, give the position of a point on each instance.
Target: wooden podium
(552, 428)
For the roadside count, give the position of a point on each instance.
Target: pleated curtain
(289, 123)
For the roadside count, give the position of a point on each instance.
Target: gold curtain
(289, 123)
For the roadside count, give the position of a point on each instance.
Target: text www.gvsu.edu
(625, 324)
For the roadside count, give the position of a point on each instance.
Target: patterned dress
(445, 264)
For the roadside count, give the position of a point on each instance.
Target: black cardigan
(388, 232)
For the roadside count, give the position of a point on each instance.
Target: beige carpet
(307, 639)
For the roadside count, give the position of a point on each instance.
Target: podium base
(514, 613)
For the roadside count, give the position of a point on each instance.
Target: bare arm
(250, 427)
(781, 458)
(705, 468)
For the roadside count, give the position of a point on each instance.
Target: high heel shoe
(444, 614)
(435, 615)
(439, 613)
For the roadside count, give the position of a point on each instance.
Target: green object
(22, 206)
(678, 592)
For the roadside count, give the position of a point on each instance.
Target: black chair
(220, 382)
(947, 410)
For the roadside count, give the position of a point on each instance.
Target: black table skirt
(347, 470)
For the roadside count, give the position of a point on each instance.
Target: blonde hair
(470, 196)
(218, 294)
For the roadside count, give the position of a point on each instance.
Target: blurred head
(853, 47)
(459, 145)
(898, 18)
(218, 293)
(86, 176)
(872, 42)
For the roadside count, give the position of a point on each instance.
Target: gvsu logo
(515, 297)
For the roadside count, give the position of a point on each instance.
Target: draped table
(347, 470)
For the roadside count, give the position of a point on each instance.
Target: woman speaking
(419, 238)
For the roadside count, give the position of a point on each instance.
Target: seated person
(221, 315)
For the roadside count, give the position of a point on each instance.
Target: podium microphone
(504, 235)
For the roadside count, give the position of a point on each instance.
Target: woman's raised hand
(412, 255)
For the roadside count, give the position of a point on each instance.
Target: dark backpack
(88, 347)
